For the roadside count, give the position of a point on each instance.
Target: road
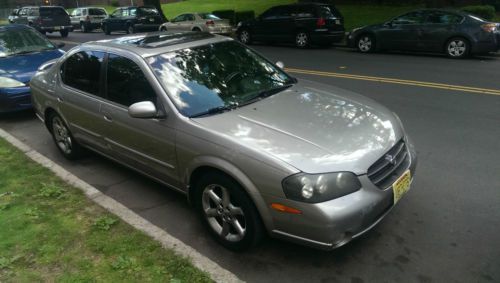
(444, 230)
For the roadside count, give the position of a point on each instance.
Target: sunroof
(163, 39)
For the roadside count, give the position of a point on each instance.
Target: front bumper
(329, 225)
(15, 99)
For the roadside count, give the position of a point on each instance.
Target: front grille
(389, 167)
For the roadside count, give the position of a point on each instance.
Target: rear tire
(228, 212)
(163, 29)
(302, 39)
(64, 33)
(457, 48)
(366, 43)
(245, 37)
(63, 138)
(130, 29)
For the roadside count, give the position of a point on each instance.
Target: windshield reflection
(22, 41)
(216, 75)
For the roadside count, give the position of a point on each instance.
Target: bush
(243, 16)
(486, 12)
(115, 3)
(225, 14)
(494, 3)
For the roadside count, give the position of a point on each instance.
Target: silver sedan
(198, 22)
(255, 150)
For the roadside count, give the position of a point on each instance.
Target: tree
(157, 5)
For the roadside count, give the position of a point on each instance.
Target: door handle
(108, 118)
(59, 99)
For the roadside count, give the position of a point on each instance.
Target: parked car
(198, 22)
(22, 51)
(457, 34)
(13, 15)
(132, 20)
(254, 149)
(45, 19)
(302, 24)
(88, 18)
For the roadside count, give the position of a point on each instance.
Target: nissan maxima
(256, 151)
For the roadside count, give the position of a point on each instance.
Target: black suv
(132, 19)
(45, 19)
(302, 24)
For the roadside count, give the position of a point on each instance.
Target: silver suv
(255, 150)
(88, 18)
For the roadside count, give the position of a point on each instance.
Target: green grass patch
(172, 10)
(49, 231)
(362, 15)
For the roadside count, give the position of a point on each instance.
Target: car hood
(23, 67)
(313, 127)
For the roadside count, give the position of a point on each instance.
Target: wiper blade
(24, 52)
(267, 93)
(216, 110)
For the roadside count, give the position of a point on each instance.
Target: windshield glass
(215, 76)
(21, 41)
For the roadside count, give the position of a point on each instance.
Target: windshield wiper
(267, 93)
(216, 110)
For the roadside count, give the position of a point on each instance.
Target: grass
(51, 232)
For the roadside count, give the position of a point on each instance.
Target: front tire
(106, 29)
(457, 48)
(245, 37)
(163, 29)
(130, 29)
(63, 138)
(228, 212)
(366, 43)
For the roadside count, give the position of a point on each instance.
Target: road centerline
(396, 81)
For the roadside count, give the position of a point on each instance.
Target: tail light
(210, 23)
(320, 22)
(489, 27)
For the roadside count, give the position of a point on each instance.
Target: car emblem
(391, 159)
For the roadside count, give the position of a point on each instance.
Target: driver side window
(180, 18)
(117, 13)
(412, 18)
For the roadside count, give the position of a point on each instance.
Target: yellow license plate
(401, 186)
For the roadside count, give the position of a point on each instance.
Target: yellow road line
(396, 81)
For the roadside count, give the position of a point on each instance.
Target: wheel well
(196, 29)
(48, 112)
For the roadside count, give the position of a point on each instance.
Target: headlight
(314, 188)
(356, 29)
(8, 82)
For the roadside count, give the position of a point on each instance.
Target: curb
(216, 272)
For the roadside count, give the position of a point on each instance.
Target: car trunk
(333, 18)
(54, 16)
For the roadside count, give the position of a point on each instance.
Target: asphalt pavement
(444, 230)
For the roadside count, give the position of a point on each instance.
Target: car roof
(151, 44)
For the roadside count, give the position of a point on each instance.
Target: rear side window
(52, 11)
(126, 83)
(443, 18)
(82, 71)
(97, 12)
(306, 11)
(143, 11)
(206, 16)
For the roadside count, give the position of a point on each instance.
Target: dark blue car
(22, 51)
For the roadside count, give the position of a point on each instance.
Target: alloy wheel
(223, 216)
(245, 36)
(365, 44)
(457, 48)
(301, 39)
(62, 136)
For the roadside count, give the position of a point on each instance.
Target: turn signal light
(283, 208)
(489, 27)
(210, 23)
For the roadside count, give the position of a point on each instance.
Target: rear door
(80, 95)
(438, 27)
(146, 144)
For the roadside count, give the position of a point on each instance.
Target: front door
(146, 144)
(402, 33)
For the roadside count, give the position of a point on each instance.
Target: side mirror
(143, 110)
(280, 65)
(60, 45)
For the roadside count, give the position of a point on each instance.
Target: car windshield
(212, 78)
(21, 41)
(207, 16)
